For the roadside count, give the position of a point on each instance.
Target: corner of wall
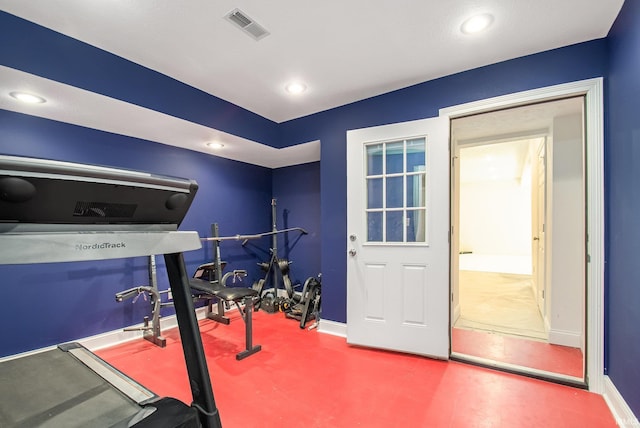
(120, 336)
(619, 408)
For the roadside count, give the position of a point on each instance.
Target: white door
(539, 238)
(398, 237)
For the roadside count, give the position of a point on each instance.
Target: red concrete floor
(308, 379)
(521, 352)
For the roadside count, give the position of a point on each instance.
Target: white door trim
(592, 89)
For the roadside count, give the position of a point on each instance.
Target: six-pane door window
(396, 191)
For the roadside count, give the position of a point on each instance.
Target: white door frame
(592, 89)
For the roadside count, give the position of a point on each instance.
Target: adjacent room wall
(495, 218)
(565, 235)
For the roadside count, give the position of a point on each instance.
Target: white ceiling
(495, 146)
(513, 123)
(496, 162)
(344, 51)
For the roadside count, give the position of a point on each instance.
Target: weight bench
(236, 295)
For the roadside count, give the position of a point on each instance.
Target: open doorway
(519, 260)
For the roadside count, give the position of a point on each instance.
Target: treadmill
(52, 211)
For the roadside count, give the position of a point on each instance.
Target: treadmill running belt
(74, 396)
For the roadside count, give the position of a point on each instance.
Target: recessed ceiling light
(477, 23)
(215, 146)
(295, 88)
(27, 98)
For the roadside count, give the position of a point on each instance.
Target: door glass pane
(416, 159)
(374, 226)
(394, 192)
(395, 157)
(374, 193)
(416, 190)
(415, 225)
(395, 226)
(374, 159)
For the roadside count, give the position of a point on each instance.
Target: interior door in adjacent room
(538, 214)
(398, 237)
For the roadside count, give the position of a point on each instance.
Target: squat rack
(275, 266)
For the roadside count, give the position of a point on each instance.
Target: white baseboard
(565, 338)
(26, 353)
(621, 412)
(116, 337)
(332, 327)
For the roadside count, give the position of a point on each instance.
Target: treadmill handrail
(27, 248)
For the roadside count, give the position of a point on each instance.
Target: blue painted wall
(53, 303)
(582, 61)
(623, 205)
(297, 193)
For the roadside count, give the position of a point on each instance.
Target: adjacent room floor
(500, 321)
(500, 303)
(310, 379)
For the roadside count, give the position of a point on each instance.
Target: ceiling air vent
(246, 24)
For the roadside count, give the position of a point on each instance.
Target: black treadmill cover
(52, 192)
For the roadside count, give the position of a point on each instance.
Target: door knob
(352, 252)
(352, 237)
(535, 238)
